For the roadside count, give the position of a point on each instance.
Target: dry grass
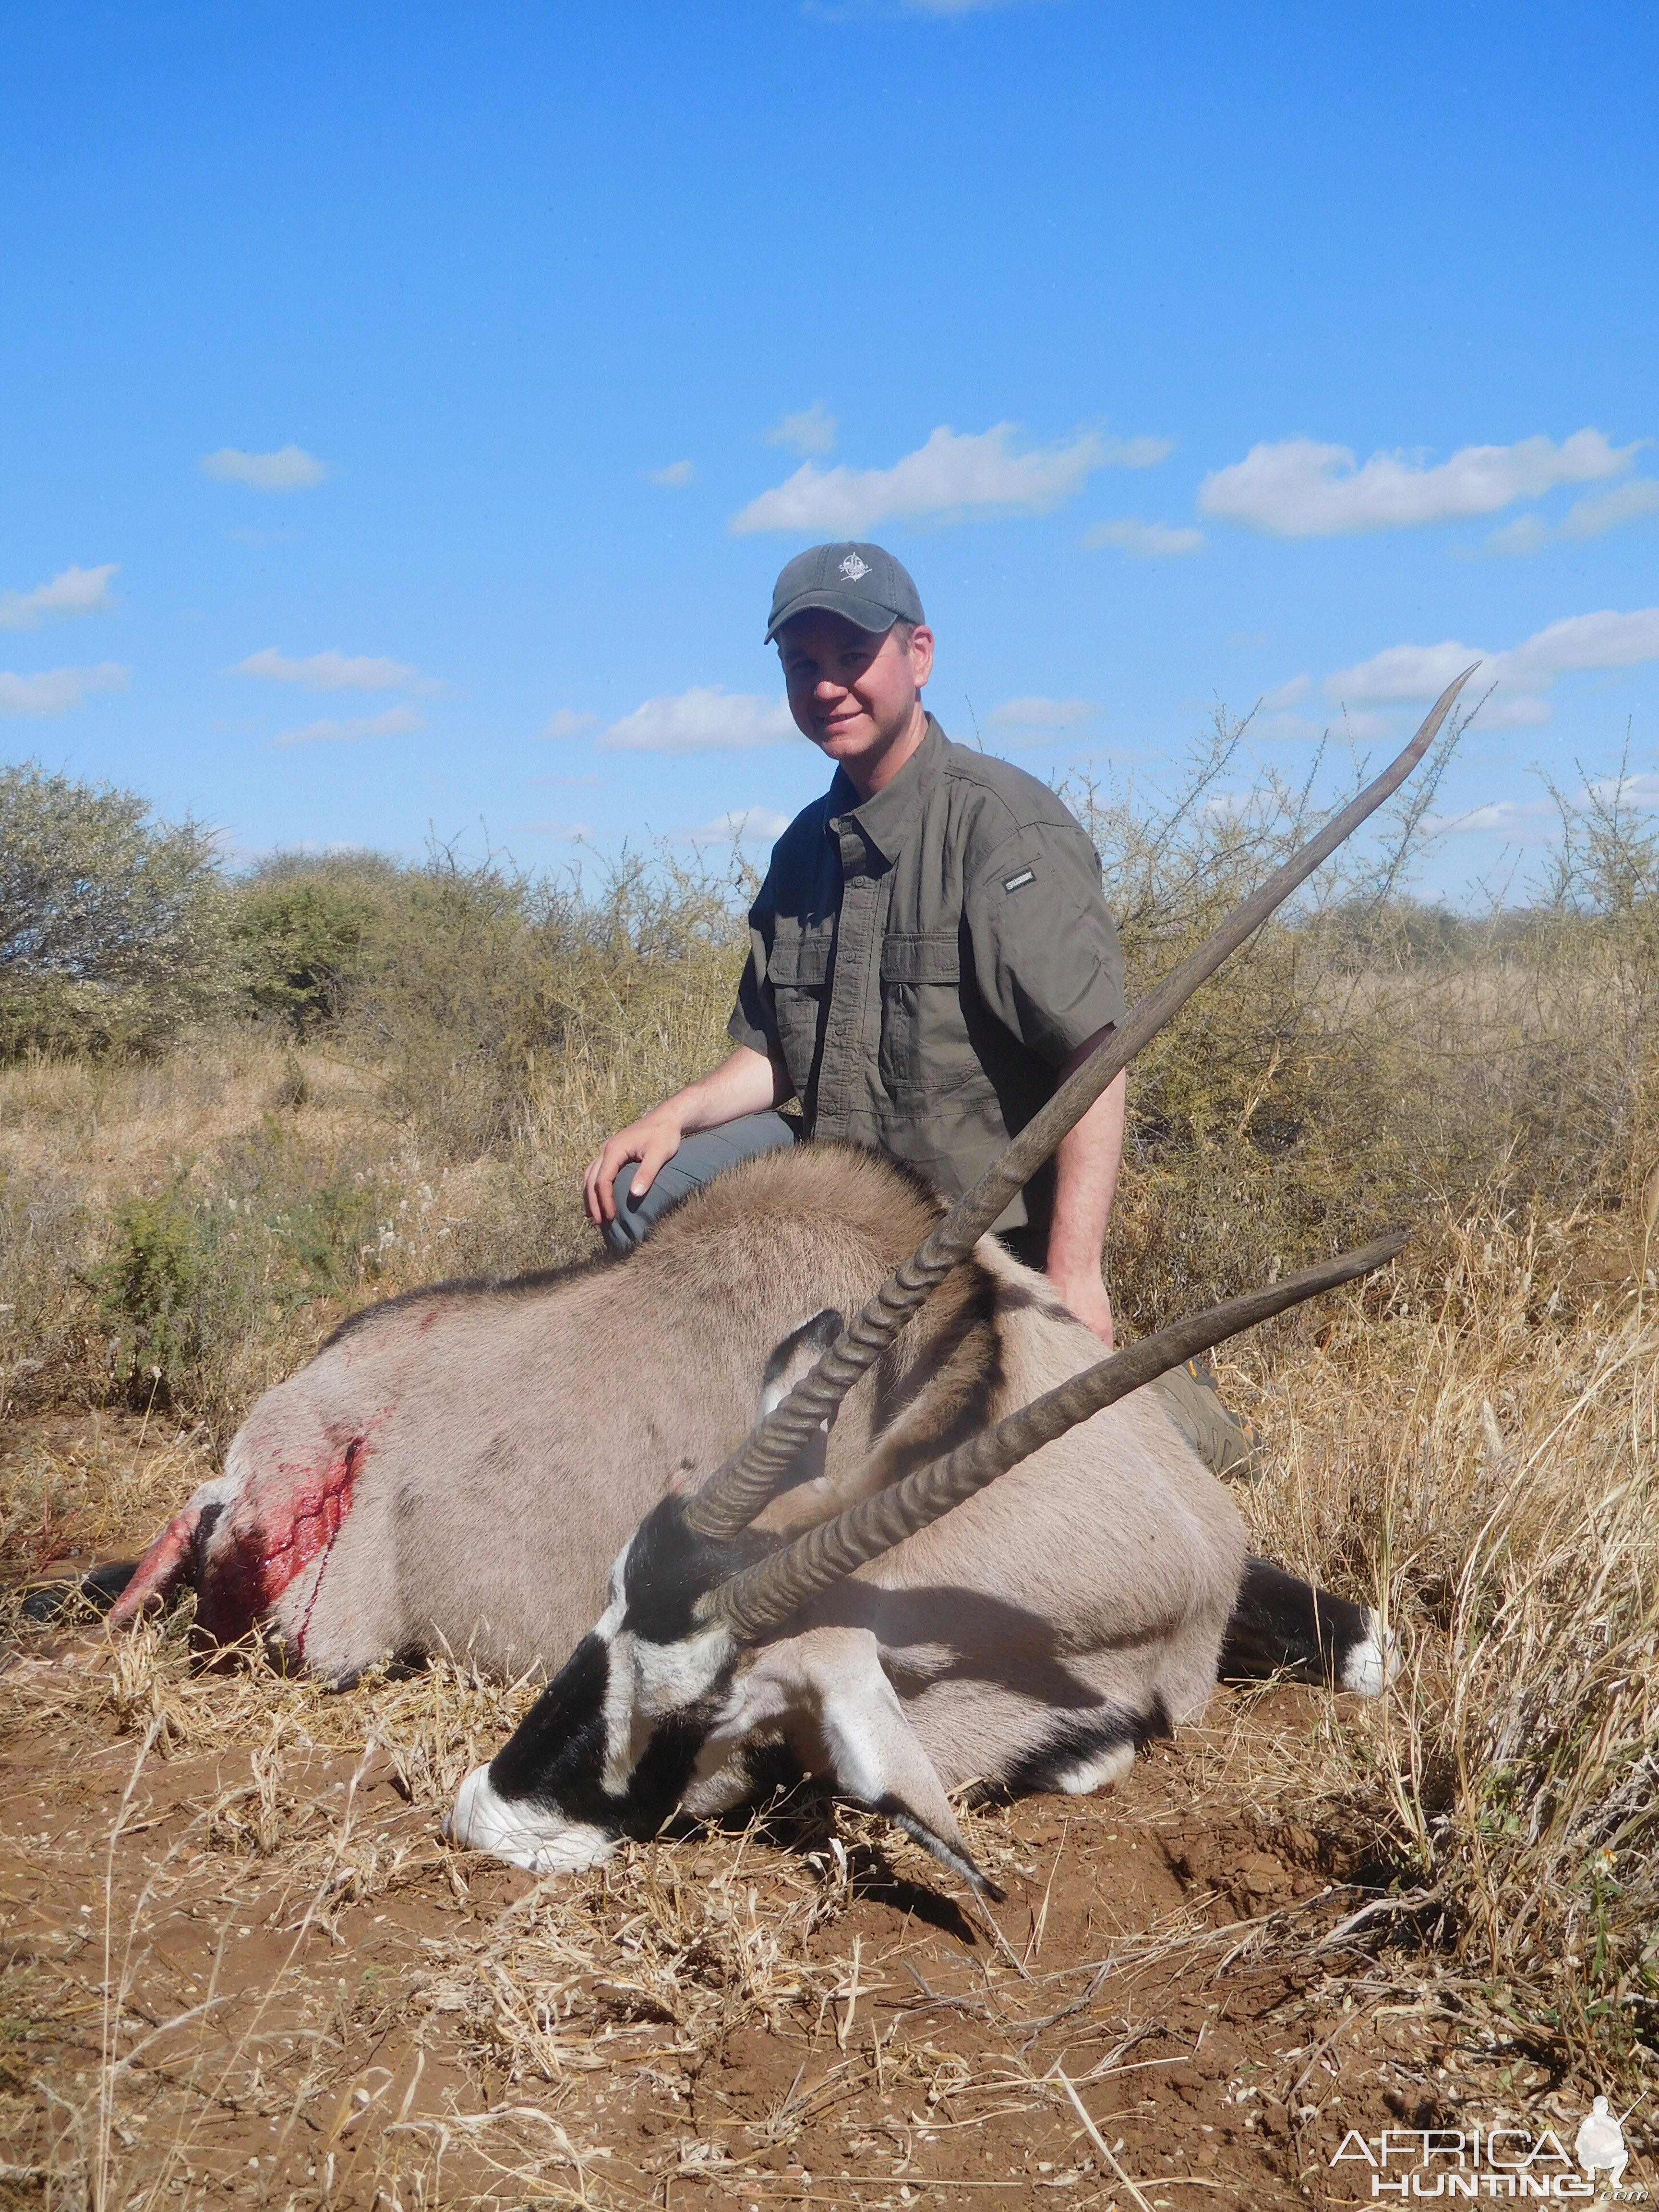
(1483, 1453)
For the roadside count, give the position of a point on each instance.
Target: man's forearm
(746, 1082)
(1085, 1182)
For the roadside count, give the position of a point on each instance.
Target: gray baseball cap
(863, 582)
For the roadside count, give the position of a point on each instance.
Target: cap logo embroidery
(852, 567)
(1014, 882)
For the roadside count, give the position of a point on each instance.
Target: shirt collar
(889, 817)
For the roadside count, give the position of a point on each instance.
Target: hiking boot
(1228, 1444)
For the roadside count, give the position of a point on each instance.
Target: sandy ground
(250, 1971)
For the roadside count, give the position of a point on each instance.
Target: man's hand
(746, 1083)
(654, 1138)
(1087, 1298)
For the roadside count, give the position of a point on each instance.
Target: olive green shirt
(922, 963)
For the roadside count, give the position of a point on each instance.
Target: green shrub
(111, 923)
(489, 982)
(428, 1111)
(215, 1264)
(304, 939)
(154, 1288)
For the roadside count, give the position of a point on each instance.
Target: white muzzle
(525, 1836)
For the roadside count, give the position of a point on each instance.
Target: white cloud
(1404, 672)
(1625, 791)
(332, 671)
(1506, 817)
(676, 476)
(1525, 711)
(705, 719)
(949, 477)
(1526, 534)
(1586, 518)
(1607, 510)
(1040, 713)
(1288, 694)
(1511, 818)
(1580, 643)
(54, 690)
(1148, 541)
(812, 431)
(566, 722)
(290, 469)
(1300, 488)
(72, 592)
(395, 722)
(743, 825)
(1583, 642)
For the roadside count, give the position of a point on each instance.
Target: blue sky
(406, 410)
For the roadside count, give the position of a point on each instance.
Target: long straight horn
(736, 1492)
(762, 1596)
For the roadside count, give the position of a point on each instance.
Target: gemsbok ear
(791, 1360)
(796, 1355)
(824, 1692)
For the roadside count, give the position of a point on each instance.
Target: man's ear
(826, 1692)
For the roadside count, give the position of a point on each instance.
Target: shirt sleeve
(1046, 953)
(754, 1018)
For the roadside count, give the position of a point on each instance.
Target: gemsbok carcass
(959, 1548)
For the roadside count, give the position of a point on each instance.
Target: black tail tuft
(1281, 1624)
(50, 1601)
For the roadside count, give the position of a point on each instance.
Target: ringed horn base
(762, 1595)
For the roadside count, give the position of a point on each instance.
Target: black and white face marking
(608, 1747)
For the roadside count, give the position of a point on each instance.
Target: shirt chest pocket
(924, 1047)
(798, 970)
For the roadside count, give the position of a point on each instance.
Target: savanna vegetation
(234, 1107)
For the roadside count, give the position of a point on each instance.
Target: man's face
(854, 692)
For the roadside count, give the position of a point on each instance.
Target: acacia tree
(111, 923)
